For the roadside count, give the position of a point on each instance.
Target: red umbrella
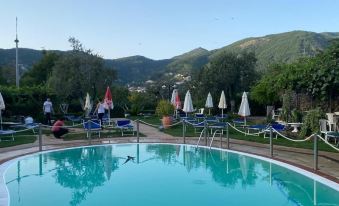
(177, 102)
(108, 99)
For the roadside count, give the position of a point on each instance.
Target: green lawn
(233, 134)
(18, 139)
(155, 120)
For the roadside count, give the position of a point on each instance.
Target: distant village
(177, 78)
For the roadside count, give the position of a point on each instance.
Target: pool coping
(319, 177)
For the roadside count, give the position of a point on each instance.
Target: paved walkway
(328, 162)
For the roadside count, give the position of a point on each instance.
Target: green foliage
(286, 106)
(233, 73)
(7, 75)
(296, 116)
(316, 76)
(137, 101)
(26, 101)
(164, 108)
(311, 122)
(78, 72)
(41, 71)
(323, 77)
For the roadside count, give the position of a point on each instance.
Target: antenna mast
(17, 76)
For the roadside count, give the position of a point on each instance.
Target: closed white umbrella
(2, 107)
(175, 101)
(88, 104)
(209, 103)
(188, 105)
(222, 103)
(244, 109)
(174, 94)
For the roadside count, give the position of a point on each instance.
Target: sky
(157, 29)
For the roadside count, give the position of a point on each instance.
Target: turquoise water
(160, 175)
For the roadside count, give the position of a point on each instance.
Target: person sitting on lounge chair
(57, 128)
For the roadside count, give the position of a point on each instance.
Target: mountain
(28, 57)
(274, 48)
(284, 47)
(189, 61)
(136, 69)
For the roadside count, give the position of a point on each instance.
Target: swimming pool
(160, 174)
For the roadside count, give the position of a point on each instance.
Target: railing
(204, 133)
(269, 129)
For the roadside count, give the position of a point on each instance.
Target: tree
(80, 71)
(316, 76)
(41, 71)
(7, 75)
(233, 73)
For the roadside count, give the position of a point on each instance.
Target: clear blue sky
(155, 28)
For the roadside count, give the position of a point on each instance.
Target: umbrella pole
(209, 111)
(222, 112)
(109, 117)
(245, 120)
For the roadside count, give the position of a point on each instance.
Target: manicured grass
(18, 139)
(233, 134)
(155, 120)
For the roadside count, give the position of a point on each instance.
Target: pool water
(160, 175)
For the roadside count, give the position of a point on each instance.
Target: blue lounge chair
(199, 116)
(197, 126)
(211, 120)
(277, 127)
(92, 125)
(217, 126)
(238, 122)
(334, 135)
(125, 125)
(7, 133)
(74, 119)
(221, 116)
(28, 124)
(257, 128)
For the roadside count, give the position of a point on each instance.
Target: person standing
(48, 109)
(101, 111)
(57, 128)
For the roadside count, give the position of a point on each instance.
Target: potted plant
(164, 110)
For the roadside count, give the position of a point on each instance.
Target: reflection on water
(85, 176)
(83, 169)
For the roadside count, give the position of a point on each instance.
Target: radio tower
(17, 76)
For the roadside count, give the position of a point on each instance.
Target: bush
(311, 122)
(26, 100)
(164, 108)
(296, 116)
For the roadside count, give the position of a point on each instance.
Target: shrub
(26, 100)
(296, 116)
(164, 108)
(311, 122)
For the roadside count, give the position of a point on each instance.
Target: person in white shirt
(48, 109)
(101, 111)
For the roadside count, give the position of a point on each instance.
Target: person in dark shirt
(57, 128)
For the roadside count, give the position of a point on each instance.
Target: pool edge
(5, 196)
